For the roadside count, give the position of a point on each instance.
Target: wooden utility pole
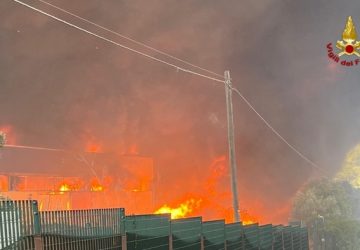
(231, 141)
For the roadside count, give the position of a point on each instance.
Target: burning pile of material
(211, 202)
(183, 210)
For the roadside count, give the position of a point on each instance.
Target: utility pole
(231, 141)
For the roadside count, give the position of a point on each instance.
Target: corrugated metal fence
(23, 227)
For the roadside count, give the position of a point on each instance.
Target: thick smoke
(63, 88)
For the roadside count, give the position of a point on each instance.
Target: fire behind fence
(23, 227)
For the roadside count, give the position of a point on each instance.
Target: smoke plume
(62, 88)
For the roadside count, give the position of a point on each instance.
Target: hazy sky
(62, 88)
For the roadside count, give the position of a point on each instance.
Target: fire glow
(247, 219)
(212, 198)
(182, 211)
(64, 188)
(130, 185)
(69, 185)
(192, 206)
(92, 147)
(96, 186)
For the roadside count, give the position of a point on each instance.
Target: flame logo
(349, 45)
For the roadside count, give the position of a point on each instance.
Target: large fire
(183, 210)
(194, 206)
(130, 184)
(212, 201)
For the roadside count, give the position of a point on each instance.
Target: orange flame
(68, 185)
(64, 188)
(95, 186)
(183, 210)
(214, 200)
(247, 219)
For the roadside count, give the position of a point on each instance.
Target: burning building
(68, 180)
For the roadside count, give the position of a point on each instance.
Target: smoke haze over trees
(330, 210)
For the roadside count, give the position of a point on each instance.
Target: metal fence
(234, 237)
(186, 233)
(82, 229)
(23, 227)
(82, 223)
(147, 231)
(213, 233)
(17, 224)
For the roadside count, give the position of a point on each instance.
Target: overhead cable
(119, 44)
(130, 39)
(314, 165)
(276, 132)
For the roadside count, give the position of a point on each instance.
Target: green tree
(350, 170)
(328, 208)
(345, 233)
(2, 139)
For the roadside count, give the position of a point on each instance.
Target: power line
(130, 39)
(314, 165)
(277, 133)
(32, 147)
(118, 44)
(80, 155)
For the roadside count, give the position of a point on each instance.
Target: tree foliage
(345, 233)
(333, 205)
(2, 139)
(326, 198)
(350, 171)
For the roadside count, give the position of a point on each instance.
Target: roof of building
(58, 163)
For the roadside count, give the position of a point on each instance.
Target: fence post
(202, 242)
(123, 242)
(123, 230)
(170, 242)
(38, 241)
(243, 238)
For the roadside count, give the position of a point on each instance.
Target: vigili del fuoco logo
(348, 49)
